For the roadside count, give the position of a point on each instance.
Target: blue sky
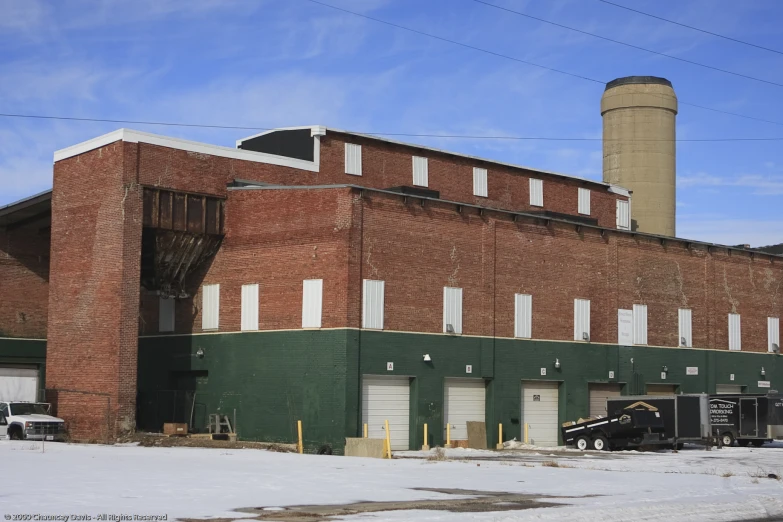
(268, 63)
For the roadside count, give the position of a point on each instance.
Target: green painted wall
(276, 378)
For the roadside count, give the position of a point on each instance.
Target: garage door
(598, 395)
(539, 412)
(18, 384)
(732, 389)
(387, 398)
(465, 400)
(661, 389)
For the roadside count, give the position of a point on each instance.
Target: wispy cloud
(761, 185)
(731, 231)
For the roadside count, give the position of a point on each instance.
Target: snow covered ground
(70, 479)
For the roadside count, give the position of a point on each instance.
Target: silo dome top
(631, 80)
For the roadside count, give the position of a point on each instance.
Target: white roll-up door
(727, 389)
(465, 400)
(598, 395)
(661, 389)
(19, 384)
(387, 398)
(539, 412)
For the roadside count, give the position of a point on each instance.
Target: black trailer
(686, 417)
(747, 418)
(636, 425)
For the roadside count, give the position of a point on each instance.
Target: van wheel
(727, 439)
(582, 443)
(600, 443)
(15, 434)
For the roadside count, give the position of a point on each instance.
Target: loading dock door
(598, 395)
(539, 412)
(728, 389)
(19, 384)
(661, 389)
(465, 400)
(387, 398)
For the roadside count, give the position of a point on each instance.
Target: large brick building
(343, 279)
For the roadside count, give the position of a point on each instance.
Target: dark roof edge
(25, 202)
(638, 80)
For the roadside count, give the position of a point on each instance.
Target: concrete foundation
(361, 447)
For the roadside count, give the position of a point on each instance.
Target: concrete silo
(639, 114)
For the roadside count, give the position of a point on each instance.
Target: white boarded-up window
(735, 333)
(479, 182)
(639, 324)
(625, 327)
(523, 316)
(353, 159)
(420, 172)
(686, 328)
(584, 201)
(452, 310)
(536, 192)
(623, 215)
(581, 319)
(249, 307)
(773, 333)
(166, 314)
(372, 305)
(312, 301)
(210, 307)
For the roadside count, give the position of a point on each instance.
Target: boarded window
(623, 215)
(686, 328)
(372, 307)
(735, 333)
(249, 307)
(479, 182)
(536, 192)
(523, 316)
(584, 201)
(312, 302)
(581, 319)
(639, 324)
(420, 175)
(452, 310)
(353, 159)
(773, 333)
(210, 307)
(166, 314)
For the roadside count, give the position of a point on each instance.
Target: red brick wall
(24, 280)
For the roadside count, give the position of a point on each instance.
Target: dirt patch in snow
(161, 441)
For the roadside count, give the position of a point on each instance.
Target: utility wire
(457, 136)
(429, 35)
(632, 46)
(743, 42)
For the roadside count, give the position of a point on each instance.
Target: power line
(429, 35)
(743, 42)
(369, 133)
(632, 46)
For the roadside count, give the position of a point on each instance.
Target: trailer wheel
(743, 442)
(582, 443)
(757, 443)
(727, 439)
(600, 443)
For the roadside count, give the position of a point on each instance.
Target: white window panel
(372, 306)
(452, 309)
(420, 172)
(735, 332)
(581, 319)
(210, 307)
(523, 316)
(773, 333)
(584, 201)
(623, 215)
(249, 307)
(353, 159)
(166, 314)
(312, 302)
(686, 328)
(639, 324)
(480, 182)
(536, 192)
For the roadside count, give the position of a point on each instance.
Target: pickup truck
(30, 421)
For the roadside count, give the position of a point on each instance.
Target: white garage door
(539, 412)
(387, 398)
(598, 395)
(18, 384)
(661, 389)
(464, 401)
(728, 389)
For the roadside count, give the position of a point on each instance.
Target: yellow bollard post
(388, 441)
(500, 437)
(300, 445)
(365, 430)
(448, 436)
(425, 446)
(526, 434)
